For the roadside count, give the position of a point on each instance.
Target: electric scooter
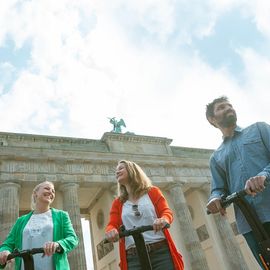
(140, 245)
(260, 234)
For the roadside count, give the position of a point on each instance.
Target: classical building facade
(83, 171)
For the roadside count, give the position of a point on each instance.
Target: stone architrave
(71, 205)
(192, 243)
(9, 210)
(226, 242)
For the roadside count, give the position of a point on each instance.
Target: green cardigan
(63, 233)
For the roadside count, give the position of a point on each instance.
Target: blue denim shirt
(245, 155)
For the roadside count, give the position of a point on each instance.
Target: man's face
(224, 115)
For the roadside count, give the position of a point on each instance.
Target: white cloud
(6, 72)
(257, 72)
(77, 79)
(261, 10)
(27, 107)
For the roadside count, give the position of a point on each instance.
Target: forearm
(164, 209)
(265, 136)
(114, 218)
(70, 239)
(219, 186)
(265, 172)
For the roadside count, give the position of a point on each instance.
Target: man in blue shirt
(242, 161)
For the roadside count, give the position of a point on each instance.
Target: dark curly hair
(210, 107)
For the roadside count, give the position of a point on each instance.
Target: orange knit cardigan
(162, 209)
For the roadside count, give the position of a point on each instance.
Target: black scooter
(140, 245)
(260, 234)
(27, 256)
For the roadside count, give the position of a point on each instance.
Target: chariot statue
(117, 125)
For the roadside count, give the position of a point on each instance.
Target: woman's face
(45, 194)
(122, 174)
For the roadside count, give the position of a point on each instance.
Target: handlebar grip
(59, 249)
(167, 226)
(34, 251)
(225, 201)
(136, 230)
(12, 255)
(17, 253)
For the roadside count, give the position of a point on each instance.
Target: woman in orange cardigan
(140, 204)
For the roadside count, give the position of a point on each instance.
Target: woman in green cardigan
(43, 227)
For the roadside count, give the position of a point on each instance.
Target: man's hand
(214, 207)
(255, 185)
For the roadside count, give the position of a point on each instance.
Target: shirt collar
(236, 131)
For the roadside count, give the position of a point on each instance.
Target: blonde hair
(137, 179)
(36, 188)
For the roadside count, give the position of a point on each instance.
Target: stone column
(192, 243)
(224, 240)
(9, 207)
(71, 205)
(232, 249)
(9, 210)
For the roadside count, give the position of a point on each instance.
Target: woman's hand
(112, 235)
(50, 248)
(159, 224)
(3, 257)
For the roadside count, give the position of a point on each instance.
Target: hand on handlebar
(159, 224)
(112, 235)
(255, 185)
(3, 257)
(50, 248)
(214, 206)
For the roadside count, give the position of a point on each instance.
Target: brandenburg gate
(83, 171)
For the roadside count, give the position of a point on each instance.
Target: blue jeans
(160, 259)
(253, 245)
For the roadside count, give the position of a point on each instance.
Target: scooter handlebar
(136, 230)
(20, 253)
(226, 201)
(141, 229)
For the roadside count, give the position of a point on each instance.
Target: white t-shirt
(38, 230)
(142, 214)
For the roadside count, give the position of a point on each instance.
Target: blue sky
(66, 66)
(220, 48)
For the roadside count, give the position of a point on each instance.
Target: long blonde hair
(36, 188)
(138, 181)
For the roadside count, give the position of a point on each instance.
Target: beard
(228, 120)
